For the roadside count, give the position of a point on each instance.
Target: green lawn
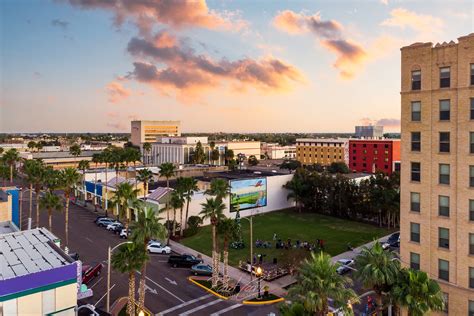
(335, 232)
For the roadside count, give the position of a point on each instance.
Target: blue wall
(15, 206)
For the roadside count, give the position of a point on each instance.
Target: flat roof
(29, 251)
(7, 228)
(239, 174)
(62, 154)
(322, 140)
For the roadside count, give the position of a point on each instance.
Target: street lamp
(109, 254)
(259, 274)
(251, 243)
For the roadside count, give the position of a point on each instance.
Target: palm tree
(146, 228)
(31, 145)
(418, 293)
(377, 269)
(296, 186)
(134, 156)
(84, 165)
(36, 174)
(181, 191)
(145, 176)
(317, 282)
(219, 188)
(96, 158)
(116, 159)
(176, 202)
(129, 258)
(213, 209)
(4, 172)
(69, 179)
(11, 157)
(50, 202)
(75, 150)
(167, 170)
(124, 197)
(147, 149)
(190, 186)
(105, 158)
(1, 150)
(30, 169)
(227, 228)
(228, 155)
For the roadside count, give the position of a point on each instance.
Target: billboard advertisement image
(248, 193)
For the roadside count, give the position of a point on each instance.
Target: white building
(148, 131)
(177, 150)
(276, 151)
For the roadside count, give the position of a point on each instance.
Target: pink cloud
(119, 126)
(117, 92)
(422, 23)
(349, 56)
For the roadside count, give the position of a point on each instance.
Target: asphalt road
(169, 292)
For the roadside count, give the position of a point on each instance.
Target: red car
(90, 272)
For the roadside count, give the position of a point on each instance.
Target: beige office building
(148, 131)
(324, 151)
(437, 176)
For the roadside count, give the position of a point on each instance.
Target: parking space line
(183, 305)
(179, 299)
(201, 307)
(96, 282)
(225, 310)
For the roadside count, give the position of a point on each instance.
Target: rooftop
(61, 154)
(7, 228)
(29, 251)
(239, 174)
(322, 140)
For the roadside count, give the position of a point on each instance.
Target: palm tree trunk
(378, 300)
(187, 212)
(31, 199)
(37, 209)
(174, 222)
(131, 294)
(215, 262)
(66, 220)
(141, 286)
(11, 173)
(105, 187)
(226, 262)
(181, 222)
(50, 222)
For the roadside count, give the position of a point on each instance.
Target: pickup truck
(183, 261)
(90, 272)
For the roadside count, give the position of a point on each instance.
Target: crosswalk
(204, 305)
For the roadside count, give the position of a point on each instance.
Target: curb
(281, 299)
(207, 289)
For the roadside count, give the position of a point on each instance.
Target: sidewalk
(351, 254)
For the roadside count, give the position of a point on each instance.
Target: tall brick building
(371, 155)
(437, 178)
(324, 151)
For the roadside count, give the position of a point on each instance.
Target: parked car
(344, 265)
(157, 247)
(117, 229)
(90, 272)
(99, 217)
(114, 225)
(74, 256)
(104, 222)
(183, 261)
(201, 269)
(124, 233)
(392, 242)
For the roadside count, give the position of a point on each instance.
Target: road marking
(162, 261)
(96, 282)
(201, 307)
(171, 281)
(182, 305)
(110, 290)
(179, 299)
(90, 240)
(149, 289)
(225, 310)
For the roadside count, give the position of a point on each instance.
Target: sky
(216, 65)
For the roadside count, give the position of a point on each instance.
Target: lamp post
(259, 274)
(251, 244)
(109, 254)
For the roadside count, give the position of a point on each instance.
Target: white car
(344, 265)
(157, 247)
(114, 225)
(124, 233)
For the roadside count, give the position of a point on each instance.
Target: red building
(371, 155)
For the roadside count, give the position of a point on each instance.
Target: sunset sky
(224, 65)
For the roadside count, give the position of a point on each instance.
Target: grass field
(335, 232)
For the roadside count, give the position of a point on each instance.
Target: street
(168, 292)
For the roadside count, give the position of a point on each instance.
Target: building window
(446, 302)
(471, 308)
(444, 142)
(415, 141)
(415, 201)
(443, 173)
(471, 142)
(471, 278)
(414, 261)
(415, 232)
(471, 210)
(415, 113)
(443, 205)
(416, 171)
(472, 108)
(416, 80)
(471, 244)
(472, 74)
(443, 237)
(443, 269)
(444, 77)
(471, 176)
(444, 110)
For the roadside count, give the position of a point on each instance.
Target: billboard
(248, 193)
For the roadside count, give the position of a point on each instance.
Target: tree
(338, 167)
(228, 155)
(290, 165)
(418, 293)
(145, 176)
(96, 159)
(69, 179)
(219, 188)
(106, 158)
(132, 155)
(317, 282)
(176, 202)
(36, 173)
(190, 186)
(146, 150)
(252, 160)
(75, 150)
(181, 190)
(83, 166)
(4, 172)
(377, 269)
(50, 201)
(11, 157)
(1, 150)
(124, 197)
(167, 170)
(30, 169)
(199, 156)
(297, 189)
(213, 209)
(31, 145)
(116, 159)
(52, 179)
(146, 228)
(227, 228)
(129, 258)
(215, 155)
